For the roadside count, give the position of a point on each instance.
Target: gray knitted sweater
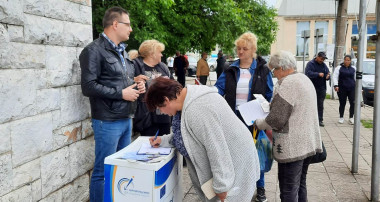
(219, 145)
(293, 117)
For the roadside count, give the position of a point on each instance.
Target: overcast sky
(271, 2)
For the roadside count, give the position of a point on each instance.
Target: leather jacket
(103, 78)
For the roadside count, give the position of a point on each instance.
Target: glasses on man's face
(128, 24)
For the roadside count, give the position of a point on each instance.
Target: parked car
(212, 64)
(368, 81)
(192, 69)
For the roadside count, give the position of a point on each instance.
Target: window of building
(301, 26)
(323, 27)
(371, 44)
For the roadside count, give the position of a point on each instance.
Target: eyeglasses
(128, 24)
(272, 70)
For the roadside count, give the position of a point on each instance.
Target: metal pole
(358, 87)
(376, 115)
(316, 41)
(304, 51)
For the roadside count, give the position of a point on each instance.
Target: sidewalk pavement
(331, 180)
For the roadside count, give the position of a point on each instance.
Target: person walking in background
(344, 85)
(247, 76)
(294, 121)
(180, 65)
(319, 73)
(133, 54)
(170, 62)
(220, 62)
(107, 78)
(215, 143)
(149, 64)
(202, 69)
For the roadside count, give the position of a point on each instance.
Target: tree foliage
(196, 25)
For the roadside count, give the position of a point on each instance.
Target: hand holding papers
(255, 109)
(146, 148)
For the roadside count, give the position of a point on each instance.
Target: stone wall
(46, 140)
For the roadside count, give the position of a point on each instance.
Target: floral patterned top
(177, 140)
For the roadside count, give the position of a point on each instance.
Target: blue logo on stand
(124, 184)
(162, 191)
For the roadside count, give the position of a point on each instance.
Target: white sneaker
(351, 120)
(341, 120)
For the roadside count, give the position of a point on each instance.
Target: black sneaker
(261, 194)
(321, 124)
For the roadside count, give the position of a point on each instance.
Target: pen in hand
(155, 137)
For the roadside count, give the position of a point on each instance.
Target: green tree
(196, 25)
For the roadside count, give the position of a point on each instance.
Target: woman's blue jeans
(110, 137)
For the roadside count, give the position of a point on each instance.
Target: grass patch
(367, 123)
(328, 96)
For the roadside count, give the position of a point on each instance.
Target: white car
(212, 63)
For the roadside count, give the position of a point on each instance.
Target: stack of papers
(146, 148)
(255, 109)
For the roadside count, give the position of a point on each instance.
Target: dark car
(192, 69)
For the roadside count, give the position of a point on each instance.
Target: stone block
(36, 190)
(85, 14)
(78, 190)
(56, 171)
(26, 173)
(55, 196)
(4, 35)
(82, 155)
(5, 174)
(74, 106)
(77, 34)
(5, 138)
(59, 10)
(21, 194)
(59, 64)
(76, 73)
(48, 99)
(67, 134)
(35, 7)
(16, 33)
(31, 138)
(87, 128)
(21, 56)
(41, 30)
(11, 12)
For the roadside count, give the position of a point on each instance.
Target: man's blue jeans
(110, 137)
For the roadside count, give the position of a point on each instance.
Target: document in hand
(146, 148)
(251, 111)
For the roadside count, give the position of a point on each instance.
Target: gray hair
(283, 59)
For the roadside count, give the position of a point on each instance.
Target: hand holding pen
(155, 141)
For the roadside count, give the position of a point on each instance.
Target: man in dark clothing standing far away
(108, 79)
(180, 65)
(220, 64)
(318, 72)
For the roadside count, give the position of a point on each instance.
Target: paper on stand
(251, 111)
(146, 148)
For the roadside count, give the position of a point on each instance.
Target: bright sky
(271, 2)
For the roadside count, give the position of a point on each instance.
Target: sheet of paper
(251, 111)
(146, 148)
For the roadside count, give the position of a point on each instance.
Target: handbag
(319, 157)
(143, 118)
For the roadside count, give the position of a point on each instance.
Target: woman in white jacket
(214, 142)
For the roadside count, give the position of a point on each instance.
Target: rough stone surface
(26, 173)
(41, 30)
(5, 138)
(66, 135)
(74, 106)
(11, 12)
(5, 174)
(85, 14)
(36, 7)
(22, 56)
(78, 190)
(87, 128)
(22, 194)
(84, 2)
(60, 65)
(79, 35)
(82, 157)
(31, 138)
(16, 33)
(56, 197)
(56, 170)
(36, 190)
(4, 35)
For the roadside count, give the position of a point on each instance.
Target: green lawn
(367, 123)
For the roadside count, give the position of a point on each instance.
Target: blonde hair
(248, 38)
(148, 47)
(133, 54)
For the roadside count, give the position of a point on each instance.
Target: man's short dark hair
(113, 14)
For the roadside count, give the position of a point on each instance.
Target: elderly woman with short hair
(149, 64)
(293, 118)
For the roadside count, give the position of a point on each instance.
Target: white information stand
(143, 181)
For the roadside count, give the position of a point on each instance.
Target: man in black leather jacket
(108, 79)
